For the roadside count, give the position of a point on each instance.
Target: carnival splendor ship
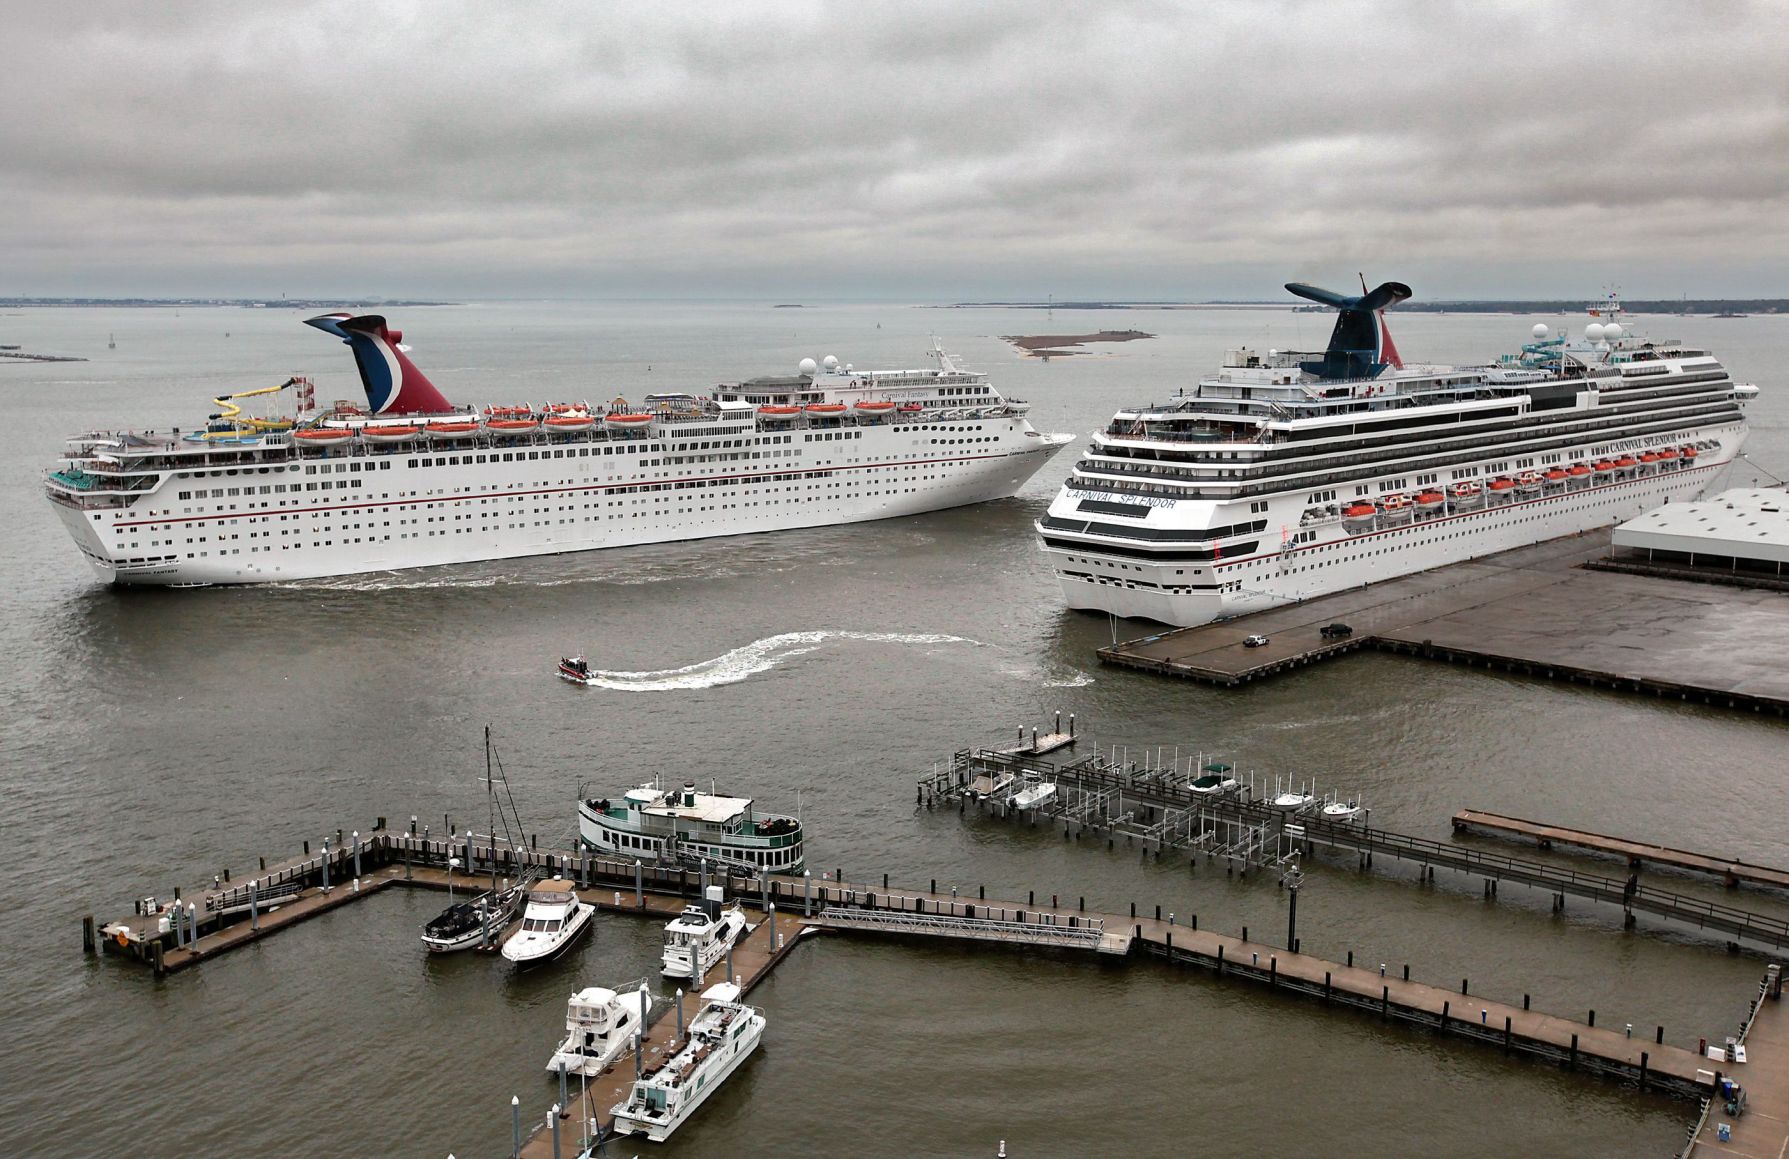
(411, 481)
(1288, 475)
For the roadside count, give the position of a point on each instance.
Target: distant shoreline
(1057, 345)
(1713, 307)
(217, 303)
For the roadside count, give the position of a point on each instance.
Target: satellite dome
(847, 368)
(1613, 331)
(808, 366)
(829, 362)
(1540, 330)
(1594, 332)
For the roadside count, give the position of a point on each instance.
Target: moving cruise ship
(1288, 475)
(411, 481)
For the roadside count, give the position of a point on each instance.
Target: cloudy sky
(924, 150)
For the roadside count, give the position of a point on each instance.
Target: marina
(1535, 611)
(1637, 854)
(789, 907)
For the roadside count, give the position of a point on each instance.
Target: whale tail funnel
(393, 384)
(1360, 346)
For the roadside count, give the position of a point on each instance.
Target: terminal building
(1740, 534)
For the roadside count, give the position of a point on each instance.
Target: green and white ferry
(677, 825)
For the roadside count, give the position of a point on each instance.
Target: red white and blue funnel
(393, 384)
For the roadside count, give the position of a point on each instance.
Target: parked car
(1337, 631)
(1254, 641)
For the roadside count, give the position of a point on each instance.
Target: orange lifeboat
(1689, 453)
(1668, 456)
(1528, 482)
(323, 435)
(451, 430)
(779, 412)
(1604, 467)
(825, 408)
(1360, 517)
(509, 412)
(1578, 471)
(633, 422)
(390, 434)
(875, 407)
(1429, 500)
(511, 426)
(1503, 483)
(569, 421)
(1555, 477)
(1465, 494)
(1626, 463)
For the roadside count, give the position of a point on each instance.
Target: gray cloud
(940, 150)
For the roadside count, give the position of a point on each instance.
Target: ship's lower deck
(1335, 557)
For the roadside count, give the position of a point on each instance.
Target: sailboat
(481, 920)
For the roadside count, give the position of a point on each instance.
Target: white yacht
(698, 937)
(599, 1024)
(1287, 475)
(410, 480)
(553, 919)
(721, 1036)
(656, 824)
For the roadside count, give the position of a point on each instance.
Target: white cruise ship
(1288, 475)
(410, 481)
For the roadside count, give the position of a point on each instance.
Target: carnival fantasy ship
(410, 480)
(1287, 475)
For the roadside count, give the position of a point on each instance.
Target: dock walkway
(1637, 853)
(1534, 611)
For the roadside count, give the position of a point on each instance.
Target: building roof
(1745, 523)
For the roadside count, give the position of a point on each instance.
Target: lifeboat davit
(324, 435)
(628, 422)
(569, 422)
(1430, 500)
(1360, 517)
(390, 434)
(875, 407)
(825, 408)
(511, 426)
(451, 430)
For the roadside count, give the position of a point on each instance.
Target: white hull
(399, 516)
(713, 1075)
(525, 951)
(576, 1061)
(676, 964)
(1337, 560)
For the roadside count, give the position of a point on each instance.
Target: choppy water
(154, 738)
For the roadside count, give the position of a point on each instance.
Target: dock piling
(680, 1014)
(515, 1117)
(356, 858)
(554, 1120)
(807, 893)
(326, 865)
(564, 1098)
(639, 885)
(88, 941)
(254, 905)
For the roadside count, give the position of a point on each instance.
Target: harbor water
(154, 738)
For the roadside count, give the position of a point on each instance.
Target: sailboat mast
(491, 799)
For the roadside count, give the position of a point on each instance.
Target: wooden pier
(1636, 853)
(803, 905)
(1534, 611)
(1163, 816)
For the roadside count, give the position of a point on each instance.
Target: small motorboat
(1213, 785)
(1293, 802)
(599, 1024)
(1035, 796)
(575, 669)
(699, 937)
(1341, 810)
(553, 919)
(722, 1035)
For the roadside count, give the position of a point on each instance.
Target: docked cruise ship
(1287, 475)
(411, 481)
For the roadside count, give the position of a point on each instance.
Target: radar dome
(1540, 330)
(808, 366)
(1613, 331)
(829, 362)
(1594, 332)
(847, 368)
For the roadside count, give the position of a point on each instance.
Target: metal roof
(1746, 523)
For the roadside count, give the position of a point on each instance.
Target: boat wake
(1075, 679)
(757, 657)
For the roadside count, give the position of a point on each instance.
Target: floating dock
(1637, 853)
(1536, 611)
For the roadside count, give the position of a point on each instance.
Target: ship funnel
(689, 794)
(1360, 346)
(393, 384)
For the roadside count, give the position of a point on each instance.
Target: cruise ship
(1287, 475)
(409, 480)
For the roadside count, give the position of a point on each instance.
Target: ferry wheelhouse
(684, 825)
(1288, 475)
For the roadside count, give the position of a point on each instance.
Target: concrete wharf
(1636, 853)
(1536, 611)
(789, 907)
(1163, 815)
